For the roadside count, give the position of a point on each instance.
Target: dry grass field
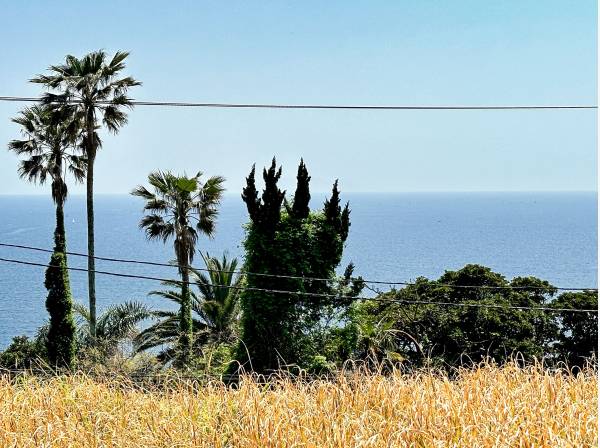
(485, 407)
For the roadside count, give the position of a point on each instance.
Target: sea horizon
(343, 192)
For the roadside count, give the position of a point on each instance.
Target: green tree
(90, 91)
(214, 310)
(49, 150)
(578, 338)
(277, 329)
(60, 340)
(180, 207)
(472, 324)
(23, 353)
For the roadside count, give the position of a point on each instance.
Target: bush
(22, 353)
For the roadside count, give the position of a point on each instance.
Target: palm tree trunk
(91, 155)
(185, 320)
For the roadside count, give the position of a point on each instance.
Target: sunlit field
(485, 407)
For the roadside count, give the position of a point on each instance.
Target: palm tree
(220, 290)
(180, 207)
(90, 90)
(214, 309)
(115, 324)
(48, 145)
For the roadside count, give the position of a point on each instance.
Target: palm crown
(88, 87)
(180, 207)
(48, 146)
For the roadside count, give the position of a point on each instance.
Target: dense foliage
(214, 305)
(60, 340)
(578, 336)
(400, 325)
(278, 329)
(23, 353)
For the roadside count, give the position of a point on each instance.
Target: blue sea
(393, 237)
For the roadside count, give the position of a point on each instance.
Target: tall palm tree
(180, 207)
(214, 309)
(90, 90)
(49, 148)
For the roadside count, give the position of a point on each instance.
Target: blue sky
(366, 52)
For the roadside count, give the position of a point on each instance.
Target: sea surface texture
(393, 237)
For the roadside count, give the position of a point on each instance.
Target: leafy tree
(90, 91)
(214, 310)
(49, 147)
(60, 340)
(451, 335)
(578, 338)
(23, 353)
(277, 329)
(180, 207)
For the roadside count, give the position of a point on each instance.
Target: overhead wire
(294, 277)
(223, 105)
(322, 295)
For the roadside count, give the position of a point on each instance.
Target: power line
(294, 277)
(320, 106)
(322, 295)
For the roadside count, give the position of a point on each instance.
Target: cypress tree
(60, 342)
(300, 208)
(339, 219)
(294, 241)
(345, 222)
(272, 198)
(250, 196)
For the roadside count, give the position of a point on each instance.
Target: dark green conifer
(275, 327)
(272, 198)
(345, 222)
(60, 342)
(250, 196)
(332, 208)
(300, 208)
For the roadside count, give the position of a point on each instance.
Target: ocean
(393, 237)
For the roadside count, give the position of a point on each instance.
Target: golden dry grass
(485, 407)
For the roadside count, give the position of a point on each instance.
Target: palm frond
(113, 118)
(120, 321)
(142, 192)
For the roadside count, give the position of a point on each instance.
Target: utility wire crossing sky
(314, 106)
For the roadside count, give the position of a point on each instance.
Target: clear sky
(365, 52)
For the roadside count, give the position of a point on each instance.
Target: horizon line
(230, 193)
